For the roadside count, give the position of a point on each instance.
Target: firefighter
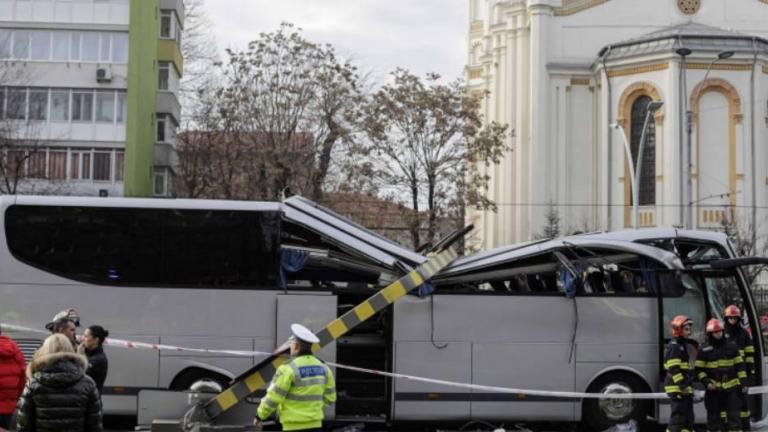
(678, 383)
(300, 388)
(736, 333)
(720, 368)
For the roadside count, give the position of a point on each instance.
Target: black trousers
(681, 419)
(723, 410)
(5, 421)
(744, 412)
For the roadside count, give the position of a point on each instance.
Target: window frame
(647, 186)
(164, 67)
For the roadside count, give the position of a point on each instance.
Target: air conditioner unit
(104, 75)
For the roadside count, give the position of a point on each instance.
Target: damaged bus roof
(509, 254)
(348, 235)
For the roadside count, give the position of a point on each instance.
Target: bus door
(681, 294)
(701, 295)
(723, 289)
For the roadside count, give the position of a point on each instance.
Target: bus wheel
(195, 377)
(599, 414)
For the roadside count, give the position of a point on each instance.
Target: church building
(583, 83)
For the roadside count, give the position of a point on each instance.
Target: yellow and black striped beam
(260, 375)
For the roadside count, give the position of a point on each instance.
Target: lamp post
(635, 169)
(685, 52)
(684, 159)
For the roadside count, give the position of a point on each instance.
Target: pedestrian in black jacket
(59, 396)
(92, 347)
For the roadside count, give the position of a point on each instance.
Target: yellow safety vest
(299, 391)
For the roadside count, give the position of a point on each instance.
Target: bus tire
(191, 376)
(599, 415)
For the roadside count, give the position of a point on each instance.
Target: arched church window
(647, 183)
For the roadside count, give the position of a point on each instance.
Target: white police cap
(303, 334)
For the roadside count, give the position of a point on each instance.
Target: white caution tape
(122, 343)
(522, 393)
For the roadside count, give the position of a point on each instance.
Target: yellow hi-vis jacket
(299, 391)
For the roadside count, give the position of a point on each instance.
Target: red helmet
(677, 324)
(732, 311)
(714, 325)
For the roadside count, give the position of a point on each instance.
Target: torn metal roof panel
(347, 234)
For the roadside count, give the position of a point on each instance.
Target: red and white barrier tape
(522, 393)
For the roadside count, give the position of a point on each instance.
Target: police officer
(678, 383)
(736, 333)
(300, 388)
(720, 368)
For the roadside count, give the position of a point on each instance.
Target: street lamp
(685, 156)
(635, 169)
(685, 52)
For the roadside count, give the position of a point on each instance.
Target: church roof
(687, 29)
(696, 36)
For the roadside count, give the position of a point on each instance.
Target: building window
(105, 107)
(5, 44)
(21, 45)
(91, 46)
(38, 104)
(166, 24)
(160, 189)
(160, 129)
(121, 95)
(74, 161)
(120, 48)
(81, 165)
(119, 165)
(57, 165)
(74, 47)
(36, 164)
(164, 72)
(102, 166)
(60, 46)
(41, 45)
(82, 106)
(59, 105)
(106, 47)
(647, 183)
(16, 105)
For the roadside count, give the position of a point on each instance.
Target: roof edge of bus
(163, 203)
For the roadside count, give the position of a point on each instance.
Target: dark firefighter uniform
(743, 341)
(300, 389)
(678, 383)
(719, 365)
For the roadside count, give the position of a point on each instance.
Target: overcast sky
(380, 35)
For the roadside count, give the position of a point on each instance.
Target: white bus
(208, 274)
(190, 273)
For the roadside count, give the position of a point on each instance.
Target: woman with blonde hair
(59, 396)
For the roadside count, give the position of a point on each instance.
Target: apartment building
(89, 99)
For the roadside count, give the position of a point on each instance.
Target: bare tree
(426, 140)
(283, 107)
(747, 240)
(200, 52)
(551, 228)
